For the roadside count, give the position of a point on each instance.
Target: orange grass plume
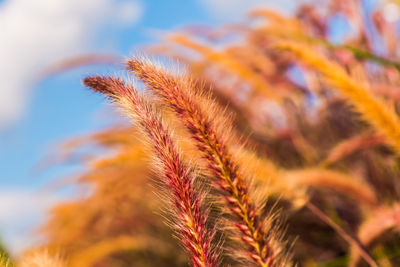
(373, 110)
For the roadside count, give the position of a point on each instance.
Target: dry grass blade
(351, 240)
(79, 61)
(380, 221)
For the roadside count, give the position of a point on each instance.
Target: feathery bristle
(191, 217)
(177, 93)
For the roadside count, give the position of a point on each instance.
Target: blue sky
(60, 107)
(34, 116)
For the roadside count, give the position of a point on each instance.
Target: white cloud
(234, 9)
(34, 33)
(21, 211)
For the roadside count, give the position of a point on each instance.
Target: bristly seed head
(178, 93)
(189, 212)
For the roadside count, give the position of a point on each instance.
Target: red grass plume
(179, 94)
(191, 217)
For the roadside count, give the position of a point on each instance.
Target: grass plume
(191, 217)
(373, 110)
(176, 92)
